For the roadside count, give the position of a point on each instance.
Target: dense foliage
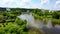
(11, 24)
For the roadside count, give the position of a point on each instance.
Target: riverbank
(54, 21)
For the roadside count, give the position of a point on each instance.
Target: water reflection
(37, 23)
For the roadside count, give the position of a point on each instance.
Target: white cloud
(44, 2)
(57, 5)
(14, 3)
(22, 3)
(25, 0)
(28, 4)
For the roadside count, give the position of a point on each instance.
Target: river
(39, 24)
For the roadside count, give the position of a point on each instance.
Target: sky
(41, 4)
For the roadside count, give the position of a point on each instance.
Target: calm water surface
(39, 24)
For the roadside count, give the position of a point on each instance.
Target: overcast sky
(41, 4)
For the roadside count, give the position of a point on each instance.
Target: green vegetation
(54, 16)
(11, 24)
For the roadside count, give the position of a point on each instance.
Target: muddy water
(39, 24)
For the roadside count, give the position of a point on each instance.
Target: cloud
(41, 4)
(14, 3)
(7, 3)
(22, 3)
(25, 0)
(57, 5)
(45, 1)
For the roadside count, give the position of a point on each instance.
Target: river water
(39, 24)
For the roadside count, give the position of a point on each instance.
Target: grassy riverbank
(54, 20)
